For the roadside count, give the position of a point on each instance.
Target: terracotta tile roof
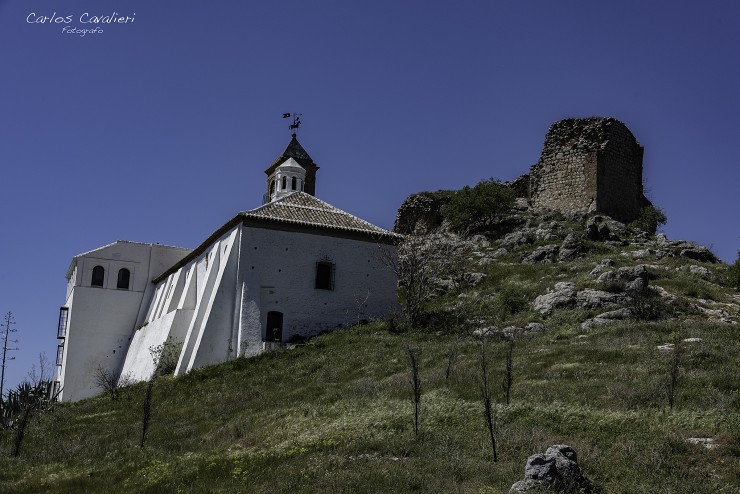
(304, 209)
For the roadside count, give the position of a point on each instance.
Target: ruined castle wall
(565, 181)
(619, 184)
(564, 178)
(589, 164)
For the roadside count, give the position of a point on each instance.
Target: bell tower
(292, 171)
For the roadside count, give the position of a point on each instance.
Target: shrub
(650, 219)
(472, 209)
(510, 300)
(733, 274)
(648, 306)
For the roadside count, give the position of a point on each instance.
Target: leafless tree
(6, 329)
(360, 304)
(489, 408)
(418, 262)
(452, 356)
(110, 381)
(673, 372)
(509, 372)
(413, 354)
(147, 411)
(164, 357)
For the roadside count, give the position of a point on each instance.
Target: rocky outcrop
(628, 278)
(607, 318)
(421, 213)
(676, 248)
(509, 332)
(557, 470)
(604, 229)
(544, 254)
(564, 295)
(520, 186)
(570, 249)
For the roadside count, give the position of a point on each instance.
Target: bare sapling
(489, 408)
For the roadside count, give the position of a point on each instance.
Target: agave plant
(25, 396)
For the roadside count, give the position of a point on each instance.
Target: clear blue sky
(159, 130)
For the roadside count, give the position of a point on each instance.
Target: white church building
(289, 269)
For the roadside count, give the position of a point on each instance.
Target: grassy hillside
(335, 414)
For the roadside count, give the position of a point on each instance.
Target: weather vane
(296, 121)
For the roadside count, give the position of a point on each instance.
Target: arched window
(293, 183)
(124, 275)
(285, 183)
(98, 276)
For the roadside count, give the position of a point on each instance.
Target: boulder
(603, 265)
(698, 253)
(639, 254)
(480, 241)
(699, 270)
(571, 248)
(534, 327)
(544, 254)
(606, 318)
(596, 299)
(549, 231)
(557, 470)
(562, 295)
(604, 228)
(636, 285)
(514, 239)
(632, 278)
(690, 250)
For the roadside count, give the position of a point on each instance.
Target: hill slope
(335, 414)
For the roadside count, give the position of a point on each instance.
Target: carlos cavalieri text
(86, 18)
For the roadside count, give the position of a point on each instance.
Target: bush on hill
(650, 219)
(478, 207)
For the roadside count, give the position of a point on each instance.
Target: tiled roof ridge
(286, 203)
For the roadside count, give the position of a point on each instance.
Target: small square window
(325, 275)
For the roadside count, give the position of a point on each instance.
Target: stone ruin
(587, 165)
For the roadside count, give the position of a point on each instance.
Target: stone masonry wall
(589, 164)
(619, 184)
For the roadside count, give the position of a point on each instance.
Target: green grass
(335, 416)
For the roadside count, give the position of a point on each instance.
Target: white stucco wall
(101, 320)
(229, 289)
(279, 270)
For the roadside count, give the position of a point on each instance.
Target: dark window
(272, 187)
(98, 276)
(124, 275)
(325, 275)
(62, 327)
(274, 330)
(285, 183)
(60, 353)
(293, 183)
